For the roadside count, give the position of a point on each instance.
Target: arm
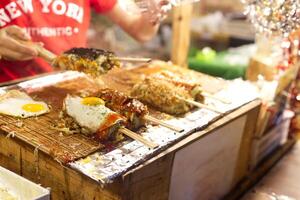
(139, 26)
(11, 47)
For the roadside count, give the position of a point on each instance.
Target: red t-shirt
(59, 24)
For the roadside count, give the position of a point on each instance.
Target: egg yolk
(92, 101)
(33, 107)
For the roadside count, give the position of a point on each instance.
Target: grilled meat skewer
(162, 95)
(132, 109)
(166, 96)
(195, 90)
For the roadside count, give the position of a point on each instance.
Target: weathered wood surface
(64, 182)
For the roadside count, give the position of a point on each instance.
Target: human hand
(158, 9)
(13, 44)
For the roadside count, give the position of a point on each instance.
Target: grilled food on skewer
(162, 95)
(132, 109)
(94, 119)
(194, 89)
(166, 96)
(91, 61)
(88, 60)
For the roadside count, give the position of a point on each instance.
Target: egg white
(12, 105)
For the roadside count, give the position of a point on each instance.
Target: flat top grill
(66, 148)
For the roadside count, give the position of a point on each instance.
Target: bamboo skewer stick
(200, 105)
(159, 122)
(50, 56)
(205, 94)
(45, 54)
(130, 59)
(137, 137)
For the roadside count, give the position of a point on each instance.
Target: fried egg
(19, 104)
(90, 113)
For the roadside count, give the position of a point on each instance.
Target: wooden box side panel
(150, 181)
(205, 168)
(242, 168)
(10, 155)
(64, 182)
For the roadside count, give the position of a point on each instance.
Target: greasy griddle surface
(124, 81)
(65, 148)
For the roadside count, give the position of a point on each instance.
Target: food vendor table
(218, 167)
(209, 162)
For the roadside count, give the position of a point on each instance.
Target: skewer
(200, 105)
(160, 122)
(130, 59)
(137, 137)
(47, 55)
(50, 57)
(205, 94)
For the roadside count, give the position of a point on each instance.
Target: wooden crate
(269, 73)
(265, 145)
(257, 68)
(270, 110)
(154, 179)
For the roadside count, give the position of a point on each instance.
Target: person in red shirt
(59, 25)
